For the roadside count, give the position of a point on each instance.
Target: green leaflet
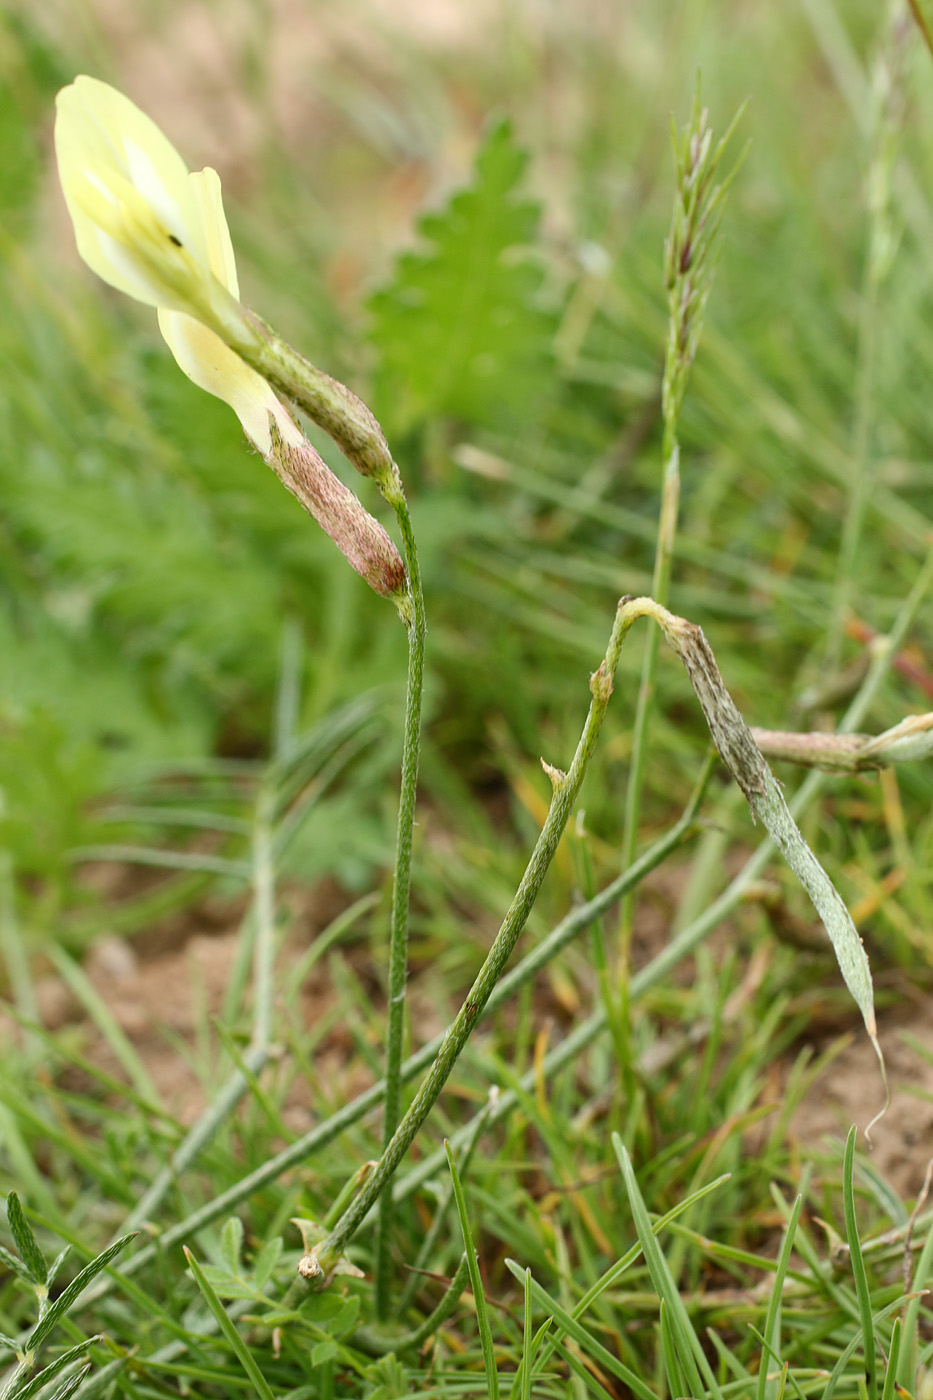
(458, 328)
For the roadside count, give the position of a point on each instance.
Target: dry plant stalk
(906, 742)
(747, 765)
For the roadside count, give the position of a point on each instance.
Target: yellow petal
(205, 185)
(138, 223)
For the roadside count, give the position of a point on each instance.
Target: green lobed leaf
(459, 329)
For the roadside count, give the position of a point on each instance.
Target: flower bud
(358, 535)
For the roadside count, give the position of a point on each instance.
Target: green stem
(324, 1133)
(847, 567)
(660, 590)
(401, 893)
(647, 977)
(566, 787)
(368, 1339)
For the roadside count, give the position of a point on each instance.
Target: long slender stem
(566, 786)
(688, 267)
(649, 976)
(324, 1133)
(886, 115)
(660, 591)
(401, 894)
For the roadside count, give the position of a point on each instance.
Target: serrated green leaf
(26, 1243)
(459, 328)
(231, 1243)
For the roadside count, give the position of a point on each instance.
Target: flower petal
(123, 178)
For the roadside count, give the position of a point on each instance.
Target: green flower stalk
(156, 231)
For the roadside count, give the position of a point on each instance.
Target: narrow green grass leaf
(890, 1375)
(15, 1265)
(772, 1327)
(690, 1350)
(858, 1264)
(527, 1340)
(238, 1346)
(583, 1372)
(731, 1362)
(768, 1351)
(72, 1293)
(616, 1270)
(476, 1282)
(911, 1338)
(676, 1384)
(849, 1350)
(69, 1386)
(584, 1339)
(97, 1009)
(23, 1385)
(30, 1253)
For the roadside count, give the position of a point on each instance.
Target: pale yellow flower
(149, 227)
(137, 221)
(153, 230)
(203, 356)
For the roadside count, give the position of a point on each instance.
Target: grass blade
(675, 1377)
(584, 1339)
(772, 1328)
(890, 1375)
(692, 1356)
(476, 1283)
(221, 1317)
(858, 1265)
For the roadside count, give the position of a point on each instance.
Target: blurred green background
(460, 210)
